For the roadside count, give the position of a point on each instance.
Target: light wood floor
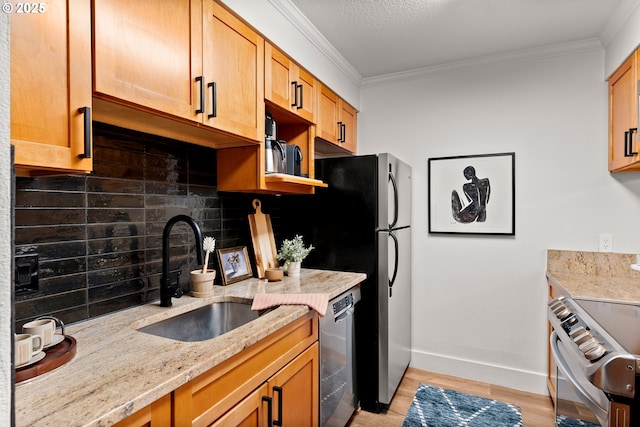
(537, 410)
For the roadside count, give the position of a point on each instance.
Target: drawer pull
(87, 132)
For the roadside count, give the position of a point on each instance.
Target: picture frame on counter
(234, 264)
(472, 194)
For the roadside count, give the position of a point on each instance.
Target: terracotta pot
(202, 283)
(293, 270)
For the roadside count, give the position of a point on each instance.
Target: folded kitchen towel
(318, 302)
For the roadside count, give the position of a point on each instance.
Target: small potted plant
(202, 279)
(292, 252)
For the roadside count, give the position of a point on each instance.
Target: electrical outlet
(606, 242)
(26, 272)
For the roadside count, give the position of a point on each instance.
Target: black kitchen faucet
(168, 289)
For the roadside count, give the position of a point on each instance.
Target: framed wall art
(472, 194)
(234, 264)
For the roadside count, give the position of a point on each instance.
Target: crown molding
(618, 19)
(292, 14)
(560, 49)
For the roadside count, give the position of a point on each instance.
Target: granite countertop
(117, 370)
(595, 275)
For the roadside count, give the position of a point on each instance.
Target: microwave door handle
(599, 411)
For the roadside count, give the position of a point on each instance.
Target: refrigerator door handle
(395, 263)
(395, 199)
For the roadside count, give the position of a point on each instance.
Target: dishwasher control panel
(342, 305)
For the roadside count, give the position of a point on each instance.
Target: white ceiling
(379, 37)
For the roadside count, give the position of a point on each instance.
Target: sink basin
(203, 323)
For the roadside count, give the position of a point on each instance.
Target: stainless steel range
(596, 347)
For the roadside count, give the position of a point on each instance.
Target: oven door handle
(599, 411)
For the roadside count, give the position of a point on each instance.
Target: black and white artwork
(472, 194)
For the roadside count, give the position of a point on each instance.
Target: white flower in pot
(292, 252)
(202, 280)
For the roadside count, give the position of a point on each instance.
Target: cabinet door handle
(278, 390)
(626, 143)
(201, 109)
(299, 87)
(631, 131)
(339, 131)
(295, 94)
(87, 132)
(214, 101)
(344, 133)
(269, 410)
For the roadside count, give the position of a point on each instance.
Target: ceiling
(379, 37)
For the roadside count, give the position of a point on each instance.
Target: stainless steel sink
(203, 323)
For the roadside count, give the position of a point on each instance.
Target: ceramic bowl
(274, 274)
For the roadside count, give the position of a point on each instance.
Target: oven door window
(576, 397)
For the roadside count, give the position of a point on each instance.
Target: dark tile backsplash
(99, 236)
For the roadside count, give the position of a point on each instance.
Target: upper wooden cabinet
(51, 89)
(289, 86)
(233, 68)
(623, 116)
(337, 123)
(188, 70)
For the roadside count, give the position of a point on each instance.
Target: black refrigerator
(362, 223)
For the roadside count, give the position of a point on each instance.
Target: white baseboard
(532, 382)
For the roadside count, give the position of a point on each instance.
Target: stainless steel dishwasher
(338, 396)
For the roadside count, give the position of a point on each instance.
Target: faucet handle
(178, 292)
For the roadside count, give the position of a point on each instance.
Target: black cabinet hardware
(269, 410)
(628, 142)
(87, 132)
(201, 109)
(297, 95)
(214, 102)
(278, 390)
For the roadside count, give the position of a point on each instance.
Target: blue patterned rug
(437, 407)
(571, 422)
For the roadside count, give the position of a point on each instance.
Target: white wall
(623, 36)
(480, 302)
(5, 225)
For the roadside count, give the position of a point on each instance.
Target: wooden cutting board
(264, 245)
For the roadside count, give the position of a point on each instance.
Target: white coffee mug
(25, 347)
(45, 328)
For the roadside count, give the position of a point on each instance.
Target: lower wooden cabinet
(289, 398)
(288, 358)
(278, 377)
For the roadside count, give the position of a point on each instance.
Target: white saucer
(55, 340)
(38, 357)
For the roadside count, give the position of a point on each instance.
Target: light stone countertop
(595, 275)
(117, 370)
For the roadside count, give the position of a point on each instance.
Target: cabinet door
(278, 70)
(158, 414)
(250, 412)
(149, 54)
(233, 67)
(348, 121)
(327, 127)
(50, 81)
(289, 86)
(623, 116)
(305, 106)
(295, 391)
